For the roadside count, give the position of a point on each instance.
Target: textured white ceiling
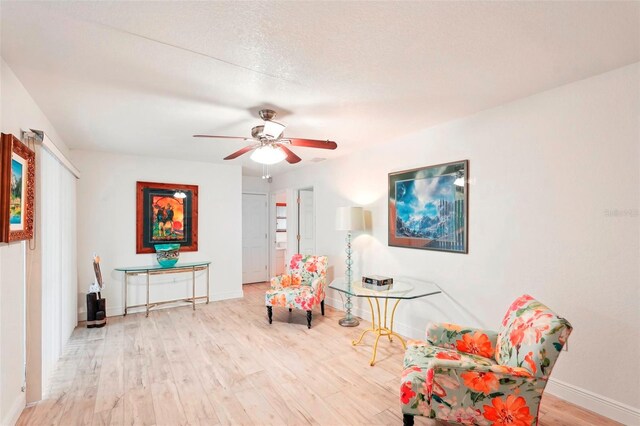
(142, 77)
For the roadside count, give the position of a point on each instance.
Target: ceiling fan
(269, 145)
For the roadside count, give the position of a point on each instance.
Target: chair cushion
(465, 388)
(302, 297)
(422, 354)
(465, 339)
(286, 280)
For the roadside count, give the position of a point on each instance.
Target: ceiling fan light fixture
(273, 129)
(268, 154)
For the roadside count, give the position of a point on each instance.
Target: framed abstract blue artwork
(428, 207)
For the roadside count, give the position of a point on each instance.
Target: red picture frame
(17, 189)
(163, 217)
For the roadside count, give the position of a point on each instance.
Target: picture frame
(429, 208)
(166, 213)
(17, 189)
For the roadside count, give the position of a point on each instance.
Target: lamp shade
(272, 129)
(268, 154)
(349, 219)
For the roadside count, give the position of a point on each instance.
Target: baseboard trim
(590, 401)
(238, 294)
(119, 310)
(16, 410)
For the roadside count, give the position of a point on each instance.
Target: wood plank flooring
(224, 364)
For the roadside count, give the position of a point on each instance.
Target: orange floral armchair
(302, 287)
(481, 377)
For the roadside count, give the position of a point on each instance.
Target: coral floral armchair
(471, 376)
(302, 287)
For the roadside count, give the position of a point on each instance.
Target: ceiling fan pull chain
(266, 172)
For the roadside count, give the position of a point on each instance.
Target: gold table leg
(380, 329)
(373, 322)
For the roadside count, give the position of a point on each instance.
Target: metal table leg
(126, 284)
(373, 325)
(147, 306)
(381, 329)
(393, 333)
(207, 284)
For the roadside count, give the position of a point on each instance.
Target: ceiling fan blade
(222, 137)
(240, 152)
(292, 158)
(313, 143)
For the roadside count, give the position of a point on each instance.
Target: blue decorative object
(167, 254)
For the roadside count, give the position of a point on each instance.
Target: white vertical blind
(59, 272)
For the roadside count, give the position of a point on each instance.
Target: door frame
(272, 229)
(293, 219)
(267, 197)
(315, 234)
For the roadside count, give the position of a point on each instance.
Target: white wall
(255, 184)
(18, 111)
(547, 175)
(107, 225)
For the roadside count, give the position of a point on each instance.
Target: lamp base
(349, 322)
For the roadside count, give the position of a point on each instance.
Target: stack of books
(377, 282)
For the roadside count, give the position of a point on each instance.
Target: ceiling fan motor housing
(267, 114)
(265, 144)
(256, 131)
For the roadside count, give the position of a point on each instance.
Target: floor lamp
(349, 219)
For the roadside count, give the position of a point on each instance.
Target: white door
(306, 222)
(254, 238)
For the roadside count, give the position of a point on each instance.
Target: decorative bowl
(167, 254)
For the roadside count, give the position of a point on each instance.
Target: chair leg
(270, 313)
(322, 307)
(308, 319)
(407, 420)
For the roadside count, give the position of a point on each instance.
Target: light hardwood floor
(224, 364)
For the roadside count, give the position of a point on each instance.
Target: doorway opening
(279, 199)
(255, 230)
(306, 236)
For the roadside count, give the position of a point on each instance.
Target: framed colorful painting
(428, 208)
(17, 189)
(166, 213)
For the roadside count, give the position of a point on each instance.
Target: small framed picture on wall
(17, 189)
(166, 213)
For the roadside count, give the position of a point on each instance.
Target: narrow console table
(192, 267)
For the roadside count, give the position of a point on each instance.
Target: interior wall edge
(14, 412)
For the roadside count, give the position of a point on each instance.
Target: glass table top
(403, 288)
(179, 265)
